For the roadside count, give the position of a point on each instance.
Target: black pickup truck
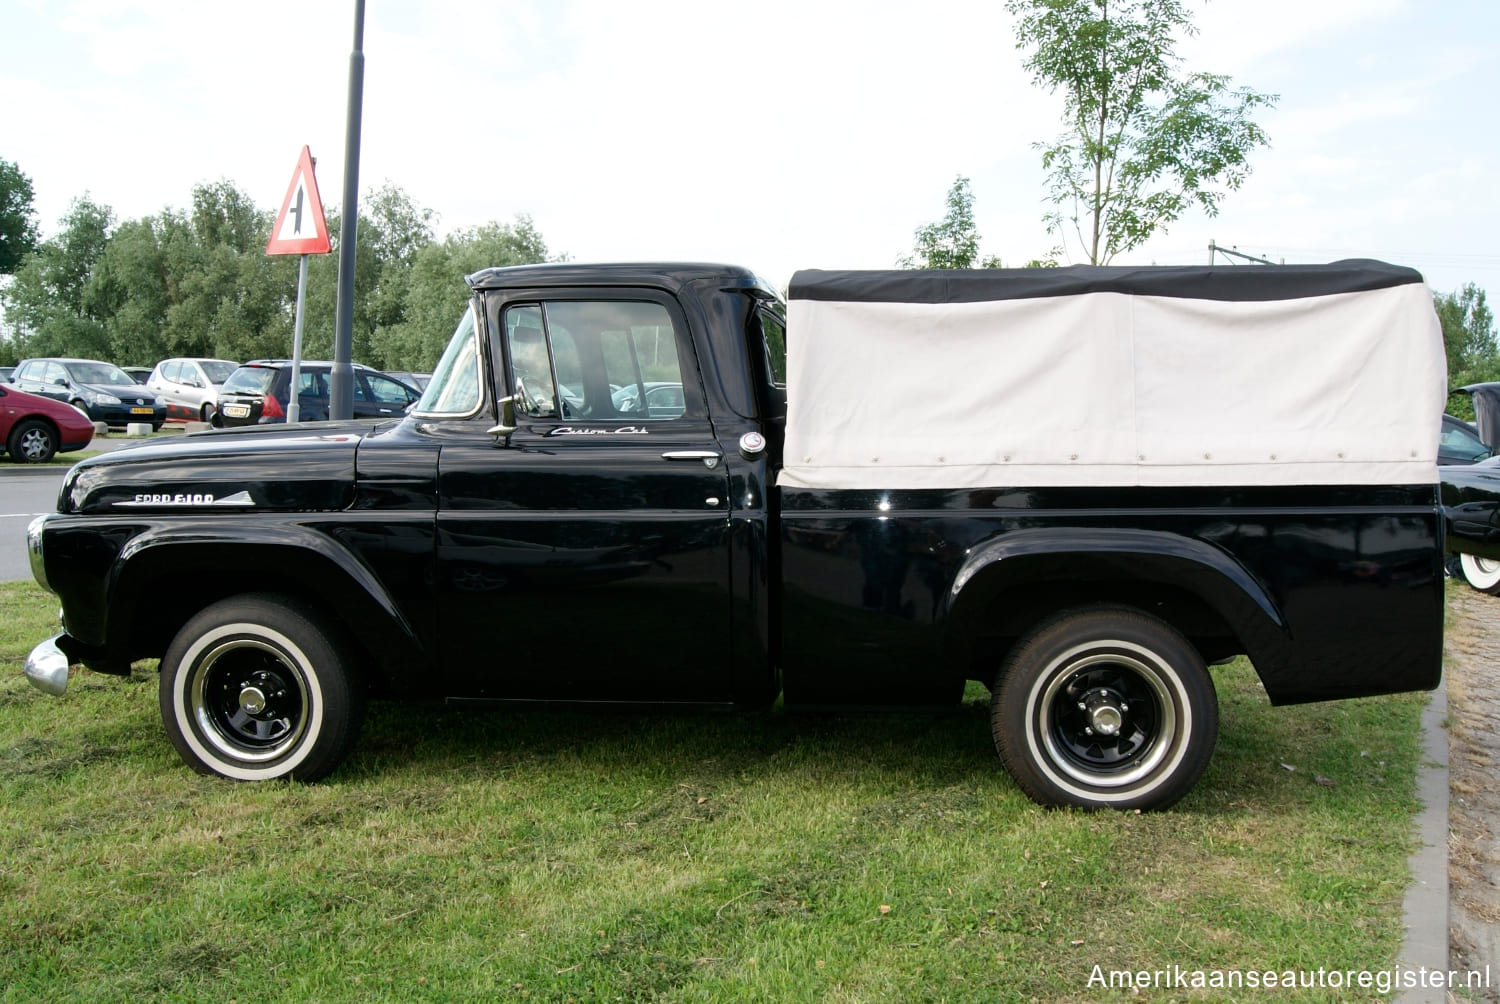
(664, 485)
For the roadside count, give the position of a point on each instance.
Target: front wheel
(1481, 573)
(253, 689)
(32, 441)
(1105, 708)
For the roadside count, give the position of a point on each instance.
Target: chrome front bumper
(47, 668)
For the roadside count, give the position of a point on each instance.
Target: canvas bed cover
(1109, 376)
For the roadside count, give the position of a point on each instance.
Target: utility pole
(1214, 248)
(341, 378)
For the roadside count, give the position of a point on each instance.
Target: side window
(171, 371)
(387, 391)
(530, 362)
(773, 330)
(56, 374)
(310, 383)
(599, 360)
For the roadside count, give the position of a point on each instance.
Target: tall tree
(1144, 142)
(18, 229)
(48, 300)
(437, 293)
(1468, 328)
(951, 242)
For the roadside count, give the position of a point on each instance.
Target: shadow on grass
(924, 749)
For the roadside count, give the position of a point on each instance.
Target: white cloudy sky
(778, 135)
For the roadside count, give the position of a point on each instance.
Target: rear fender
(1022, 559)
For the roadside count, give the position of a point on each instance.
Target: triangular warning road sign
(300, 227)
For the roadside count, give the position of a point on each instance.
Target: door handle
(710, 458)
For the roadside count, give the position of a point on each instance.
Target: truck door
(588, 559)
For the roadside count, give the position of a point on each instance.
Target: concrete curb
(1425, 908)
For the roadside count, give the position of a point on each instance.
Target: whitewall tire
(253, 689)
(1105, 707)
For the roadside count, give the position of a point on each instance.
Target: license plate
(237, 410)
(140, 411)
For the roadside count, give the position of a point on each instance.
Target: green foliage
(1143, 143)
(436, 291)
(48, 300)
(1468, 329)
(18, 230)
(951, 242)
(199, 283)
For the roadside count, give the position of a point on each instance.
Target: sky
(775, 135)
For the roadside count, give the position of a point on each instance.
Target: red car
(33, 428)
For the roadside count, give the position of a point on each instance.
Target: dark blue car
(102, 391)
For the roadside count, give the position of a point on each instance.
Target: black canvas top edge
(1194, 282)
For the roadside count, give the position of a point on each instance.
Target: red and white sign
(300, 227)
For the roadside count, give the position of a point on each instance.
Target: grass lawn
(557, 857)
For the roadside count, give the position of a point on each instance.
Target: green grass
(556, 857)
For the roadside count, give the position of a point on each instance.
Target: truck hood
(304, 468)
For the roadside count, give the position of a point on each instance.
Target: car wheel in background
(32, 441)
(206, 413)
(1481, 573)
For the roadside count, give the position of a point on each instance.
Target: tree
(48, 299)
(1469, 338)
(951, 242)
(1468, 328)
(18, 229)
(437, 293)
(1143, 143)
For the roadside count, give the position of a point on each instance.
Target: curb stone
(1425, 908)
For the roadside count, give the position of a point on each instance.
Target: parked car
(417, 380)
(102, 391)
(1460, 443)
(190, 387)
(258, 393)
(34, 428)
(663, 399)
(5, 372)
(140, 374)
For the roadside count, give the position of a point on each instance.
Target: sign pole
(300, 229)
(293, 405)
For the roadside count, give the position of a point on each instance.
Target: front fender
(168, 572)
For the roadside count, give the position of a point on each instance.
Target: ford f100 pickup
(664, 485)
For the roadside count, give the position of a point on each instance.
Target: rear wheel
(32, 441)
(1481, 573)
(253, 689)
(1105, 708)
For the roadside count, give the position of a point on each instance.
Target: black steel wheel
(32, 441)
(1105, 708)
(253, 689)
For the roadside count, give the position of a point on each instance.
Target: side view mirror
(507, 418)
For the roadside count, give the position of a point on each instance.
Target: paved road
(24, 493)
(30, 491)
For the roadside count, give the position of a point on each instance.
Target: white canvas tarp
(1112, 389)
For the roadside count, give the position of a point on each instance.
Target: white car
(190, 387)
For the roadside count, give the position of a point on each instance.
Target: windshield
(250, 380)
(456, 387)
(101, 373)
(217, 370)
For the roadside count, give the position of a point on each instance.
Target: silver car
(190, 387)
